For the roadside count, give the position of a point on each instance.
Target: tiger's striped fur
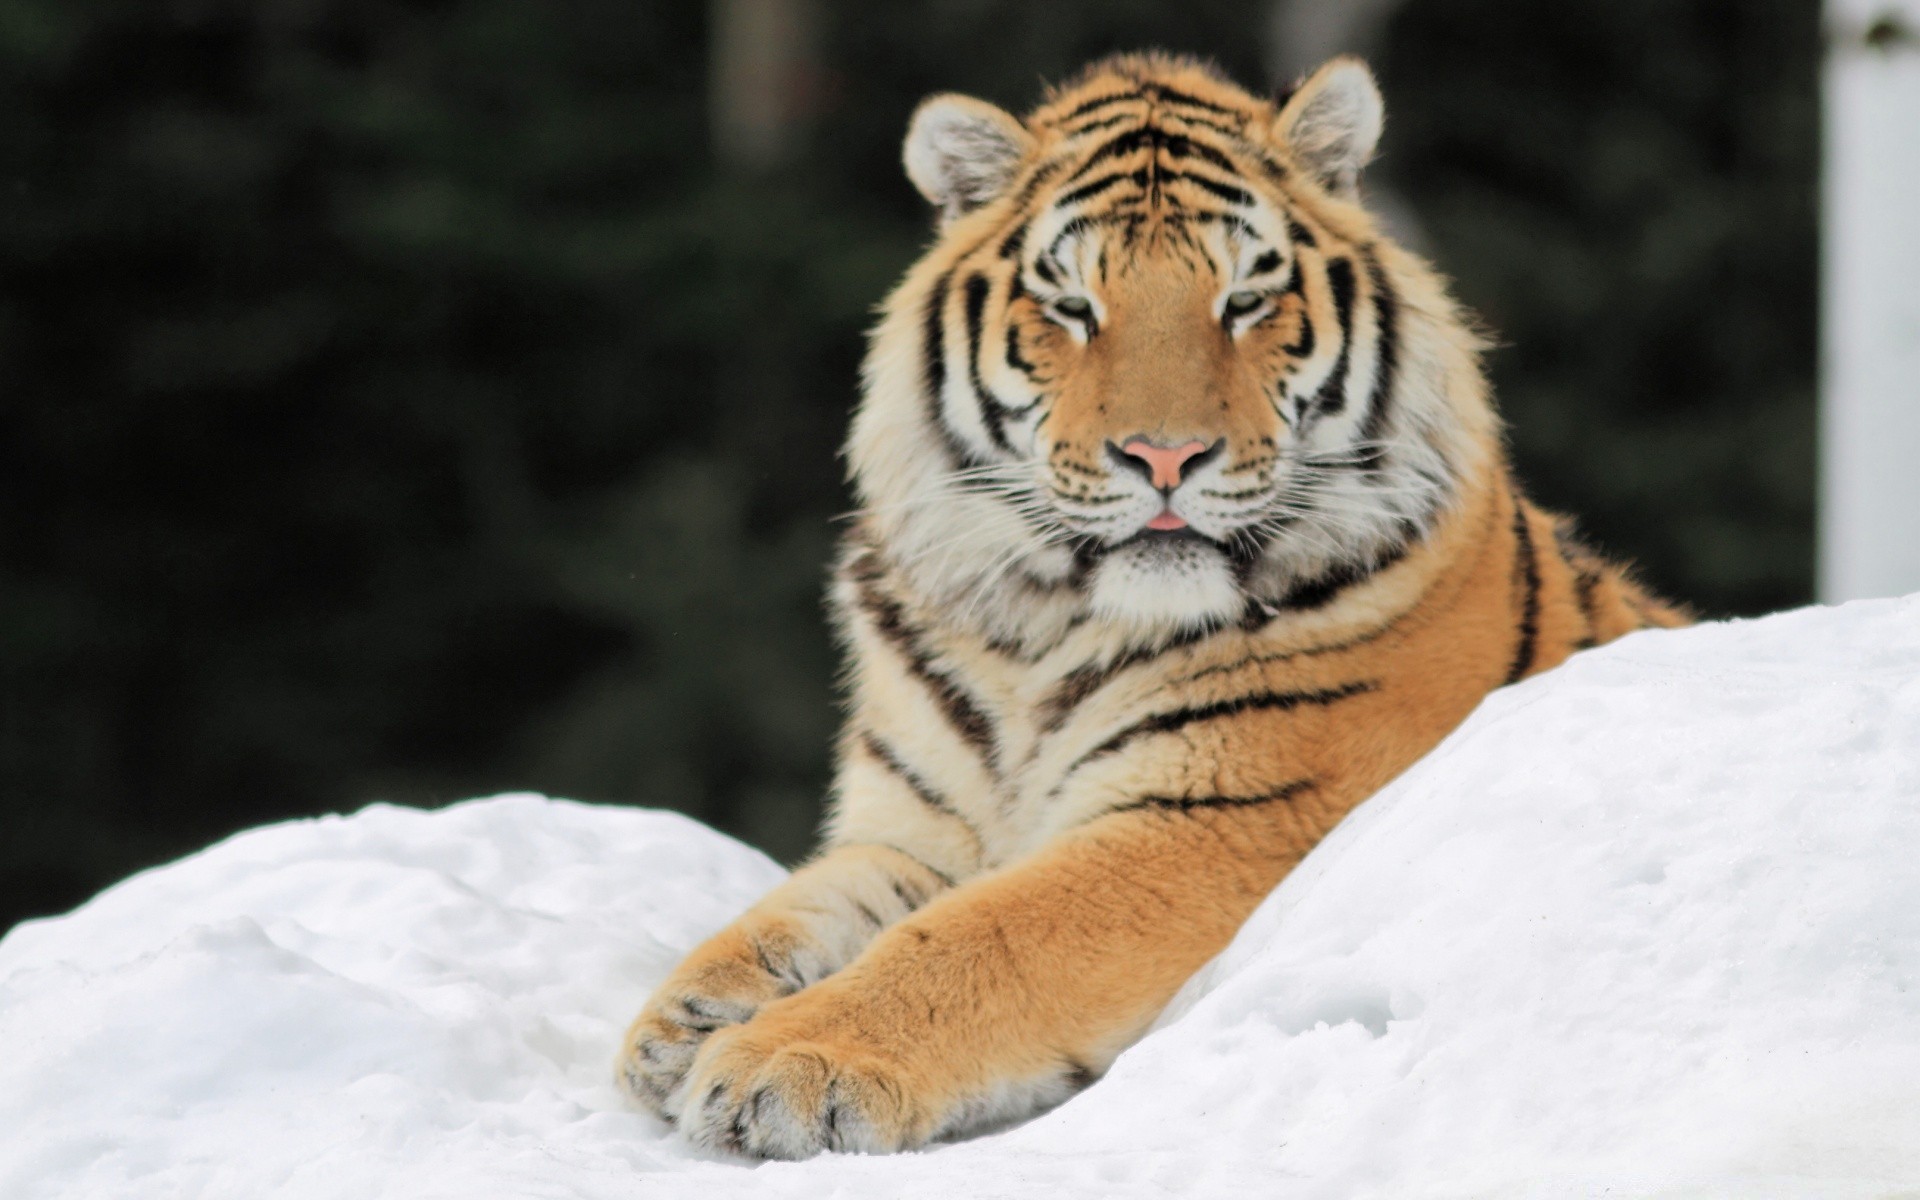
(1100, 710)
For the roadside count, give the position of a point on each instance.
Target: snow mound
(1648, 926)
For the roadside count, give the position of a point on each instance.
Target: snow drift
(1648, 925)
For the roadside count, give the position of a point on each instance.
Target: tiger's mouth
(1184, 536)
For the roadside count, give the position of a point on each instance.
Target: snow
(1646, 926)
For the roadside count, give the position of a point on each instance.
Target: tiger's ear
(962, 152)
(1332, 122)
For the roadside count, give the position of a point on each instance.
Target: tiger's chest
(1044, 718)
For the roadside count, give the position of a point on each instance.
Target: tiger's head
(1159, 366)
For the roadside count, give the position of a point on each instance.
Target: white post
(1870, 312)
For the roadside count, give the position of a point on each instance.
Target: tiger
(1184, 525)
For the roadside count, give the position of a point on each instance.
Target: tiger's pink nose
(1163, 463)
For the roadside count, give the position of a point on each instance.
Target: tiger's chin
(1164, 583)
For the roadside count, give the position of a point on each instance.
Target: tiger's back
(1186, 527)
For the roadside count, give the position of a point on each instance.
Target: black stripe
(1015, 358)
(703, 1015)
(1181, 146)
(1103, 123)
(1188, 804)
(1161, 91)
(790, 977)
(934, 370)
(1296, 284)
(1332, 396)
(1319, 591)
(1154, 139)
(1071, 229)
(1114, 147)
(991, 410)
(1073, 688)
(1100, 102)
(1299, 234)
(1041, 174)
(921, 789)
(1082, 682)
(1386, 363)
(1271, 167)
(1230, 223)
(1227, 192)
(1270, 261)
(1180, 718)
(1526, 569)
(1015, 242)
(1095, 187)
(1586, 582)
(945, 879)
(1303, 348)
(1253, 660)
(933, 329)
(961, 712)
(911, 898)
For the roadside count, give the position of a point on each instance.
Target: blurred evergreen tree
(401, 402)
(1626, 194)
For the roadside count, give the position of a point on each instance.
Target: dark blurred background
(412, 401)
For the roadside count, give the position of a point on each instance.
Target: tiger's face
(1157, 358)
(1161, 427)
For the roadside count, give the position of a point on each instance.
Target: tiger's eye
(1076, 307)
(1241, 303)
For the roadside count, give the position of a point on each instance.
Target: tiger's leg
(1005, 994)
(799, 933)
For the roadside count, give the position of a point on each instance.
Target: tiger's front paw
(776, 1089)
(661, 1044)
(722, 984)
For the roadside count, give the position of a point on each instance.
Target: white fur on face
(1166, 582)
